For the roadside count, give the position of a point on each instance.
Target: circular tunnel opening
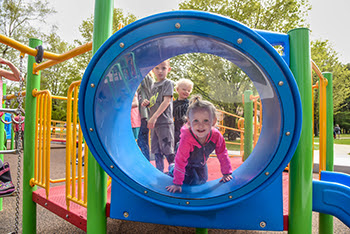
(116, 72)
(222, 83)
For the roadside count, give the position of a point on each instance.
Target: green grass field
(344, 140)
(232, 147)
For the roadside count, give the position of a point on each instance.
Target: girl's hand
(226, 178)
(174, 188)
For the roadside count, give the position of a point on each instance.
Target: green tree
(216, 79)
(274, 15)
(219, 80)
(327, 59)
(58, 77)
(86, 30)
(342, 116)
(17, 18)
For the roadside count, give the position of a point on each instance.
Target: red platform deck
(77, 215)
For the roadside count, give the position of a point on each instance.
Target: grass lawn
(344, 139)
(232, 147)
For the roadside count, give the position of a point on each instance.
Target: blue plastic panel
(111, 80)
(332, 198)
(277, 39)
(336, 177)
(263, 211)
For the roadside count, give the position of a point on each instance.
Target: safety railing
(223, 128)
(76, 190)
(42, 140)
(321, 85)
(257, 118)
(240, 125)
(239, 128)
(43, 137)
(58, 130)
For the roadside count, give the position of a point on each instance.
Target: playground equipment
(19, 111)
(238, 129)
(104, 104)
(140, 40)
(254, 198)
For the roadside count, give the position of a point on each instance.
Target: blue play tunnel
(115, 72)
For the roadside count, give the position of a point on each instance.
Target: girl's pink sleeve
(181, 160)
(222, 154)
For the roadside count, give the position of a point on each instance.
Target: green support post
(2, 125)
(97, 178)
(3, 117)
(326, 221)
(2, 129)
(300, 169)
(201, 230)
(33, 82)
(12, 138)
(248, 124)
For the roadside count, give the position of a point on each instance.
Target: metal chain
(19, 141)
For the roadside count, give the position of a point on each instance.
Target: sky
(328, 19)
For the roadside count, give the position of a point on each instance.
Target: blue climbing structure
(253, 199)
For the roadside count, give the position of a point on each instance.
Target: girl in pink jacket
(198, 140)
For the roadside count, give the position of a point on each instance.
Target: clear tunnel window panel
(221, 74)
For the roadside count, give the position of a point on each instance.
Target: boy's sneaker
(77, 161)
(171, 169)
(6, 188)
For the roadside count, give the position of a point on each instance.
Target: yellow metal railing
(42, 140)
(240, 126)
(76, 190)
(58, 130)
(257, 122)
(53, 58)
(43, 118)
(323, 82)
(43, 137)
(223, 128)
(321, 85)
(13, 96)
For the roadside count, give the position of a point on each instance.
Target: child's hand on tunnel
(174, 188)
(226, 178)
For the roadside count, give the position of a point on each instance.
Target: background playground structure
(45, 127)
(234, 135)
(58, 127)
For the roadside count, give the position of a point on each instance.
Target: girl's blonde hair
(183, 81)
(197, 104)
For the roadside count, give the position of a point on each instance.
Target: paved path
(341, 158)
